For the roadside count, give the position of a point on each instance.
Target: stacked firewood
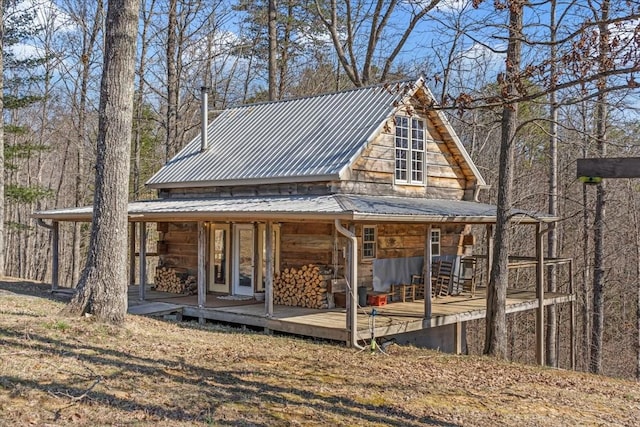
(301, 287)
(167, 280)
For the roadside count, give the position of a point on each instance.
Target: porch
(390, 319)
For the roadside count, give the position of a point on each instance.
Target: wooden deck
(391, 319)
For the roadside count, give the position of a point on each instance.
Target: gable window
(368, 242)
(410, 150)
(435, 242)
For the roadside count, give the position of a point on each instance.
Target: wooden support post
(540, 292)
(572, 315)
(268, 285)
(427, 274)
(457, 337)
(143, 260)
(132, 253)
(202, 273)
(55, 256)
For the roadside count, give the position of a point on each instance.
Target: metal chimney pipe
(204, 112)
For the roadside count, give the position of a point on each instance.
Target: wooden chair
(467, 277)
(404, 292)
(417, 282)
(435, 270)
(443, 279)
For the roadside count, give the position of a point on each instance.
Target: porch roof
(305, 207)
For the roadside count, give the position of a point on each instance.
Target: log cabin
(321, 206)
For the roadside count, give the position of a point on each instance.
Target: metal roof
(306, 137)
(326, 207)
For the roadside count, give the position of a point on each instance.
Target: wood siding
(373, 172)
(178, 246)
(408, 240)
(314, 188)
(306, 243)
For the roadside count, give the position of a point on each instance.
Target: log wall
(306, 243)
(178, 246)
(408, 240)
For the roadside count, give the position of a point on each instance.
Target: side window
(435, 242)
(369, 239)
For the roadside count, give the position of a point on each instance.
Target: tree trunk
(273, 50)
(552, 239)
(496, 327)
(2, 229)
(102, 290)
(172, 82)
(586, 256)
(139, 104)
(597, 331)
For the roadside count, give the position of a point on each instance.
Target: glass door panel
(243, 259)
(219, 262)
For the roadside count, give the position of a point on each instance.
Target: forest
(537, 85)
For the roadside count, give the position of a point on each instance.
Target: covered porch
(391, 319)
(350, 324)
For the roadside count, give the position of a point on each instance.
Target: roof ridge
(319, 95)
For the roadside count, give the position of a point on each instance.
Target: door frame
(235, 261)
(211, 285)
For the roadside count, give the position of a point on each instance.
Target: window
(368, 242)
(410, 150)
(435, 242)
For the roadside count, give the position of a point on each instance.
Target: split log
(302, 287)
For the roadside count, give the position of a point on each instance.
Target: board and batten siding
(373, 172)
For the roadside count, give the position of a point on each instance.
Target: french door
(243, 259)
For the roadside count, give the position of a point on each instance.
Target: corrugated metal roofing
(327, 207)
(284, 140)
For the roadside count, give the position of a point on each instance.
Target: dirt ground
(56, 370)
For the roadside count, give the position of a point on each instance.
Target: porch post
(55, 256)
(202, 274)
(427, 273)
(268, 286)
(457, 337)
(143, 259)
(489, 252)
(540, 291)
(132, 253)
(352, 295)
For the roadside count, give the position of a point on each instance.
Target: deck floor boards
(390, 319)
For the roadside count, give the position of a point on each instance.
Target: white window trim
(409, 150)
(374, 242)
(436, 232)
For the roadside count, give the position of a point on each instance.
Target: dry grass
(68, 371)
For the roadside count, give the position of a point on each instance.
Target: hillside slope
(68, 371)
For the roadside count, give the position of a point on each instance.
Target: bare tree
(552, 237)
(273, 54)
(599, 222)
(102, 290)
(496, 332)
(2, 229)
(345, 22)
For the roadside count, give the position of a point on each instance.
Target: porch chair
(467, 277)
(443, 279)
(417, 286)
